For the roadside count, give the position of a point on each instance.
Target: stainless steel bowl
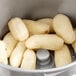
(34, 9)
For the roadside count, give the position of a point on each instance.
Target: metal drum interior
(34, 9)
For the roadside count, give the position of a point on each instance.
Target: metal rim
(38, 71)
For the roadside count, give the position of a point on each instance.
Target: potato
(3, 54)
(63, 27)
(45, 41)
(36, 27)
(10, 42)
(29, 60)
(62, 56)
(74, 43)
(18, 29)
(47, 21)
(16, 56)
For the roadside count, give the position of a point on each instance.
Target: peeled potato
(36, 27)
(3, 54)
(10, 42)
(29, 60)
(62, 56)
(63, 27)
(16, 56)
(45, 41)
(47, 21)
(74, 43)
(18, 29)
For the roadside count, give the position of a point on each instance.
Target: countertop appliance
(35, 9)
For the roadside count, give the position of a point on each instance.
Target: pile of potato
(25, 36)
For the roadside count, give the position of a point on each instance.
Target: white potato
(74, 43)
(63, 27)
(18, 29)
(45, 41)
(29, 60)
(36, 27)
(16, 56)
(10, 42)
(47, 21)
(3, 54)
(62, 56)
